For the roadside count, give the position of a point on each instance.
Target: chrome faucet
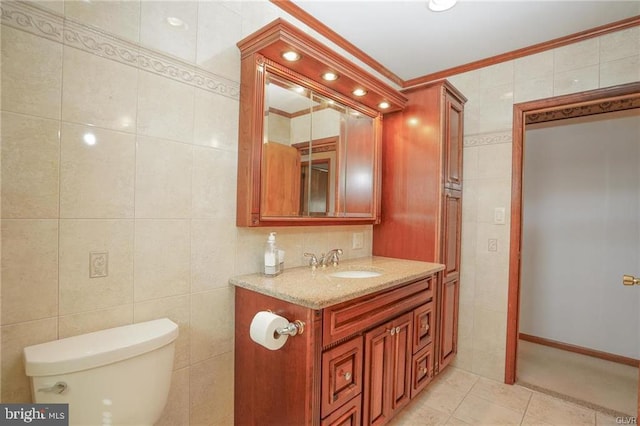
(313, 261)
(331, 257)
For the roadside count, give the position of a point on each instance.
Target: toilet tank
(119, 376)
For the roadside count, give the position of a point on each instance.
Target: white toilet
(119, 376)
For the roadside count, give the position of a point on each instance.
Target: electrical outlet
(98, 264)
(357, 240)
(492, 244)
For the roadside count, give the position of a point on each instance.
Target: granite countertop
(318, 290)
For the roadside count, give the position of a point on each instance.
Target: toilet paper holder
(293, 328)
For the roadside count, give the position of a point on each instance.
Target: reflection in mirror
(317, 157)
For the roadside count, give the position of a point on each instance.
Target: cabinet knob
(423, 370)
(397, 330)
(425, 326)
(347, 376)
(393, 331)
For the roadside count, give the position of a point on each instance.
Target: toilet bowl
(119, 376)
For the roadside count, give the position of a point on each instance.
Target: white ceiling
(411, 41)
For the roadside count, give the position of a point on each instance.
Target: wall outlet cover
(98, 264)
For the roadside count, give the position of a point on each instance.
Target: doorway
(528, 114)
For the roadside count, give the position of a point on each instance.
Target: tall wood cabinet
(421, 211)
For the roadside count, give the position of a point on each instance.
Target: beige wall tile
(16, 387)
(176, 412)
(30, 166)
(121, 18)
(620, 44)
(250, 250)
(80, 237)
(29, 270)
(529, 90)
(56, 6)
(497, 75)
(577, 80)
(216, 119)
(97, 173)
(163, 179)
(157, 33)
(492, 193)
(488, 364)
(213, 253)
(98, 91)
(165, 108)
(177, 310)
(211, 391)
(219, 29)
(212, 323)
(533, 67)
(31, 74)
(214, 183)
(496, 111)
(162, 258)
(621, 71)
(577, 55)
(88, 322)
(256, 14)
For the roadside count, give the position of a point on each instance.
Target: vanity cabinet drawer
(348, 318)
(422, 370)
(423, 326)
(341, 374)
(347, 415)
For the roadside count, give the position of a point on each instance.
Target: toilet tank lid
(99, 348)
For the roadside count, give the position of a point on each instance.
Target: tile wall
(119, 136)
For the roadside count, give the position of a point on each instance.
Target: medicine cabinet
(309, 148)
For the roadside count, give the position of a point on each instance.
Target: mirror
(318, 155)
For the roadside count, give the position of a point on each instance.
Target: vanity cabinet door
(387, 365)
(341, 374)
(453, 132)
(449, 322)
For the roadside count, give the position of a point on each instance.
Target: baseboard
(580, 350)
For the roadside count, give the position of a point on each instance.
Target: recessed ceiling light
(441, 5)
(359, 92)
(329, 76)
(291, 56)
(383, 105)
(299, 89)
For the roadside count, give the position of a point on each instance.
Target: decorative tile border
(487, 139)
(43, 23)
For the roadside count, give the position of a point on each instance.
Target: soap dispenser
(271, 257)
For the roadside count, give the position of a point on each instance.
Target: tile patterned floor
(458, 397)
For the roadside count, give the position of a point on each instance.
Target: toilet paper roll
(263, 330)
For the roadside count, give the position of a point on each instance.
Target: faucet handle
(313, 262)
(335, 258)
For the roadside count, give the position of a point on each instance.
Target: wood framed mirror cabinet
(309, 148)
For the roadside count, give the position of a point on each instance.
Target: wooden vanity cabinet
(356, 363)
(421, 204)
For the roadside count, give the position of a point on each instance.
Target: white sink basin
(355, 274)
